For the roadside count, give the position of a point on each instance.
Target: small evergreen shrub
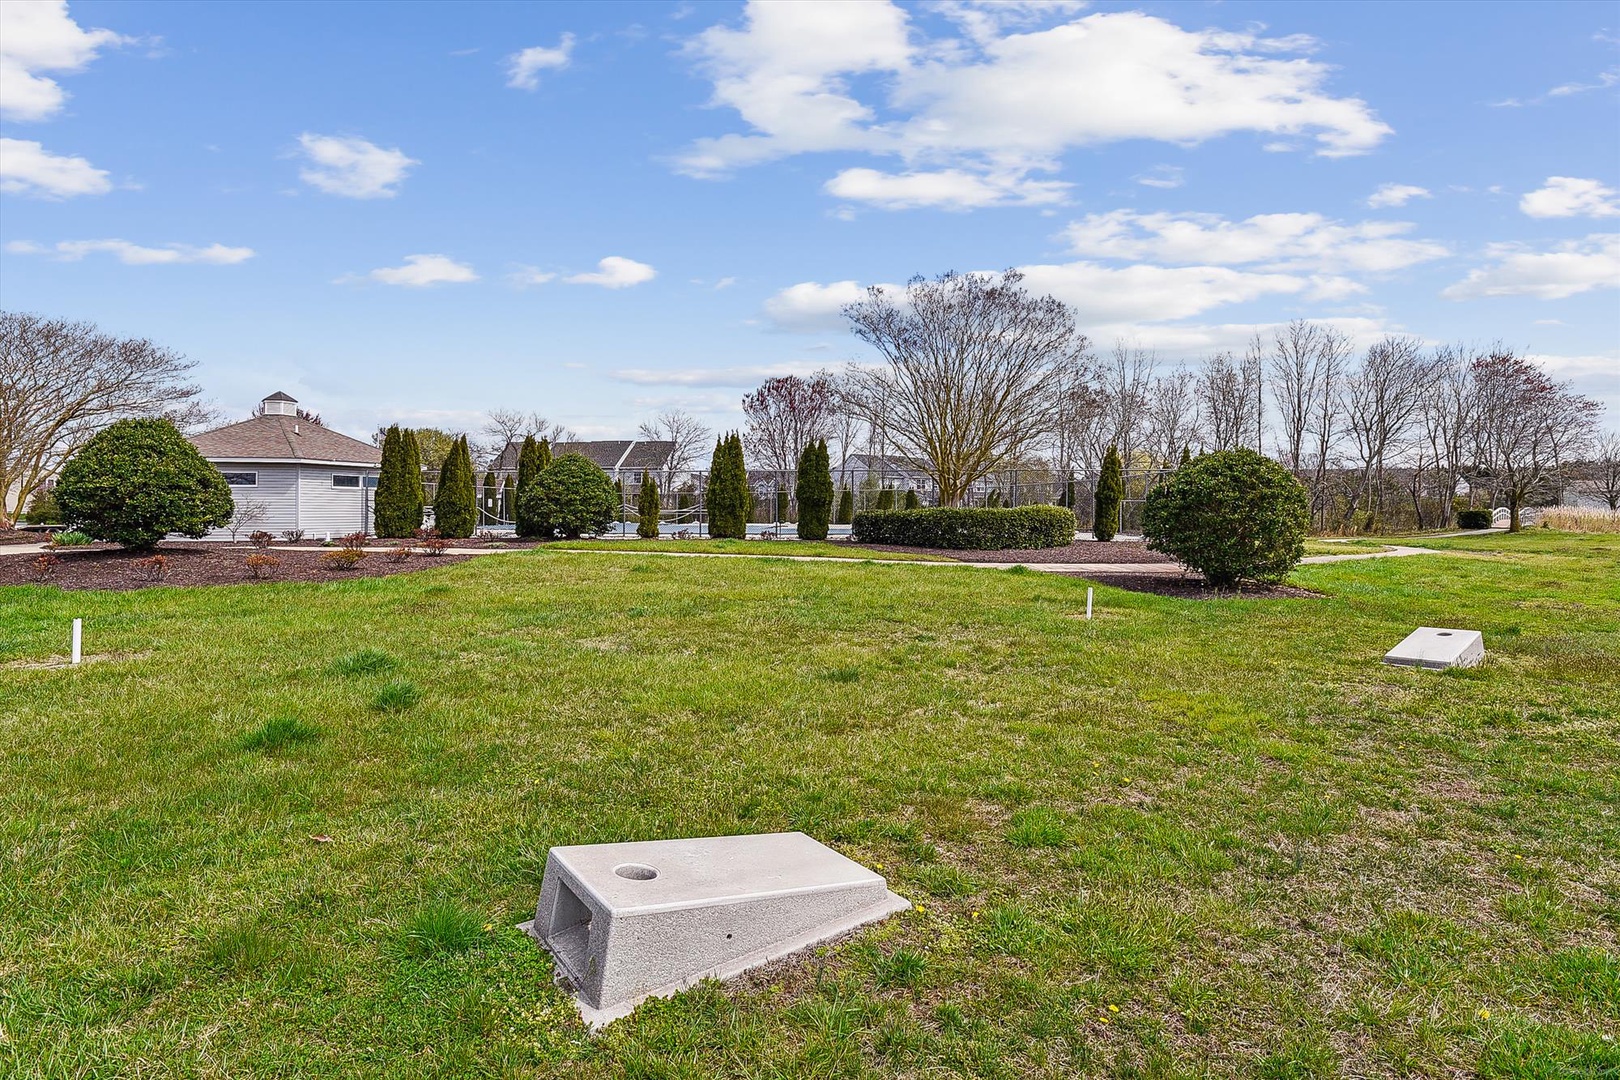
(397, 504)
(728, 499)
(1474, 519)
(1110, 494)
(912, 500)
(137, 481)
(648, 506)
(886, 499)
(570, 497)
(973, 528)
(846, 507)
(1232, 515)
(455, 502)
(42, 510)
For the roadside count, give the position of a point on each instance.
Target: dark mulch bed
(498, 543)
(198, 564)
(23, 536)
(1081, 551)
(1191, 587)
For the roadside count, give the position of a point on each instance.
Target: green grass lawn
(838, 549)
(1185, 839)
(1344, 547)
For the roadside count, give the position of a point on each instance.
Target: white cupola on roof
(279, 404)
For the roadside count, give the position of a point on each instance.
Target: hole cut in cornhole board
(1437, 647)
(626, 922)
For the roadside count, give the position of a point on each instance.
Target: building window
(369, 481)
(242, 479)
(345, 480)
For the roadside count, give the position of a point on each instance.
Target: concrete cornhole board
(1437, 647)
(627, 922)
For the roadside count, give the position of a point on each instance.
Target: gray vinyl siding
(277, 489)
(336, 510)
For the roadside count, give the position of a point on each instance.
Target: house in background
(303, 475)
(621, 459)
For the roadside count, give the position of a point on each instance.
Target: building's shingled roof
(279, 396)
(283, 438)
(646, 454)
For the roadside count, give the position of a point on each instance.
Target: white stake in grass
(1088, 601)
(78, 636)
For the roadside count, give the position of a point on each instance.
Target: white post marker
(78, 636)
(1088, 601)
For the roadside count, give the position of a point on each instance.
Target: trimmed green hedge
(1473, 519)
(969, 528)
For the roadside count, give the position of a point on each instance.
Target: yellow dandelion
(1484, 1014)
(1113, 1008)
(1104, 1019)
(1516, 856)
(877, 866)
(922, 909)
(488, 927)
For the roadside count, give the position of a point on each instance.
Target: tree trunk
(1513, 512)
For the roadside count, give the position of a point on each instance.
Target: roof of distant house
(623, 454)
(275, 437)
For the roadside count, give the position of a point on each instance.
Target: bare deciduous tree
(687, 435)
(975, 375)
(1303, 357)
(502, 427)
(784, 415)
(1528, 426)
(1606, 470)
(61, 382)
(1172, 415)
(1447, 415)
(1378, 403)
(1124, 384)
(1229, 392)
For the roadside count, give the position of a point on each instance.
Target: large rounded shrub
(1231, 515)
(139, 480)
(571, 496)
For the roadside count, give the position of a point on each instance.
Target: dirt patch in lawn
(1081, 551)
(1192, 587)
(197, 564)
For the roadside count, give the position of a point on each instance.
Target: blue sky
(419, 212)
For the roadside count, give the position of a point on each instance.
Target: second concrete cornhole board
(626, 922)
(1438, 647)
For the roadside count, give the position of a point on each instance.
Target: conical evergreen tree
(413, 458)
(455, 503)
(886, 499)
(846, 507)
(397, 505)
(647, 507)
(1110, 493)
(529, 466)
(508, 498)
(728, 498)
(1186, 455)
(492, 499)
(912, 501)
(814, 490)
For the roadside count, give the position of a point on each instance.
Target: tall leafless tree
(1447, 416)
(1172, 415)
(503, 427)
(784, 415)
(1229, 393)
(1303, 356)
(61, 382)
(975, 372)
(687, 436)
(1528, 427)
(1606, 470)
(1379, 402)
(1124, 385)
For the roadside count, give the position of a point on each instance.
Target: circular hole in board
(1444, 633)
(635, 871)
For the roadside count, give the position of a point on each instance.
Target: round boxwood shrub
(570, 497)
(1232, 515)
(1474, 519)
(972, 528)
(139, 480)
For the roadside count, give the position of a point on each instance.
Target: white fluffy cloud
(810, 306)
(615, 272)
(747, 375)
(27, 168)
(523, 68)
(1001, 102)
(1569, 196)
(948, 189)
(1572, 267)
(423, 270)
(1291, 242)
(1396, 195)
(1162, 176)
(352, 167)
(39, 36)
(1142, 293)
(134, 254)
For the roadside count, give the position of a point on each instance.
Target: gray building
(303, 475)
